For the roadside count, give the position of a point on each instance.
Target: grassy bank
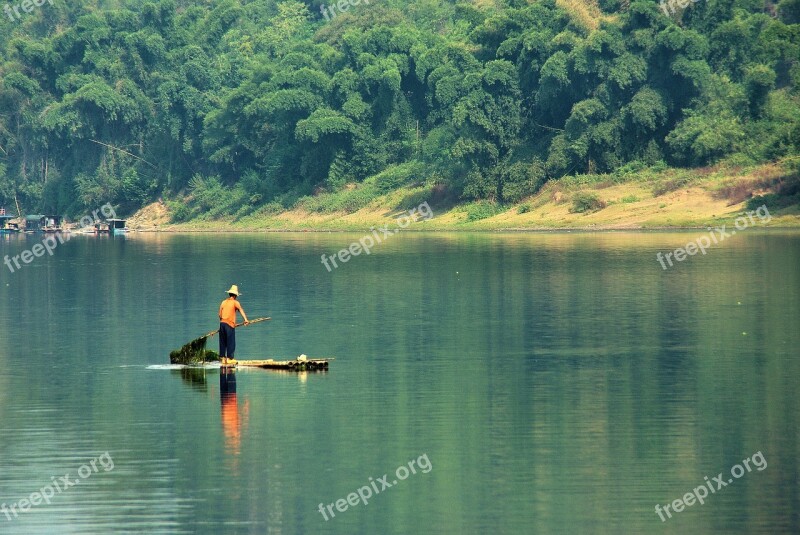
(629, 199)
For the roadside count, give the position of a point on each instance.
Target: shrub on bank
(481, 210)
(348, 200)
(586, 202)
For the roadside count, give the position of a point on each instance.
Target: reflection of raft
(299, 364)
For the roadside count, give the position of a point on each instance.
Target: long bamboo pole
(257, 320)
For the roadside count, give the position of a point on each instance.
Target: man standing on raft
(227, 326)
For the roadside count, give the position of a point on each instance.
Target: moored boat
(53, 223)
(6, 226)
(35, 223)
(44, 223)
(117, 226)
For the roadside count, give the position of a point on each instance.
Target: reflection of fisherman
(231, 419)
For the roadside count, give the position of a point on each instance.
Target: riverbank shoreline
(457, 230)
(664, 200)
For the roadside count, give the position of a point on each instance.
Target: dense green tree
(258, 101)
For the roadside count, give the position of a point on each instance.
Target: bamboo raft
(301, 363)
(298, 364)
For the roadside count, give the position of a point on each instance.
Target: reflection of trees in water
(194, 377)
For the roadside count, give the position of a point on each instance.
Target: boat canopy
(35, 221)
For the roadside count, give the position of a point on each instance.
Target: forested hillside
(227, 106)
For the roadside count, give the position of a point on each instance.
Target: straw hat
(234, 290)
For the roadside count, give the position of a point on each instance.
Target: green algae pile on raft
(194, 352)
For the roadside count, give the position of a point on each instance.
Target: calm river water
(539, 382)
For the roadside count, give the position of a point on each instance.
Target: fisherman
(227, 325)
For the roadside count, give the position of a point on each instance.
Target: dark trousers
(227, 340)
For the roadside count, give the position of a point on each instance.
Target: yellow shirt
(227, 311)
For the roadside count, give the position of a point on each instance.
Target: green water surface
(555, 383)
